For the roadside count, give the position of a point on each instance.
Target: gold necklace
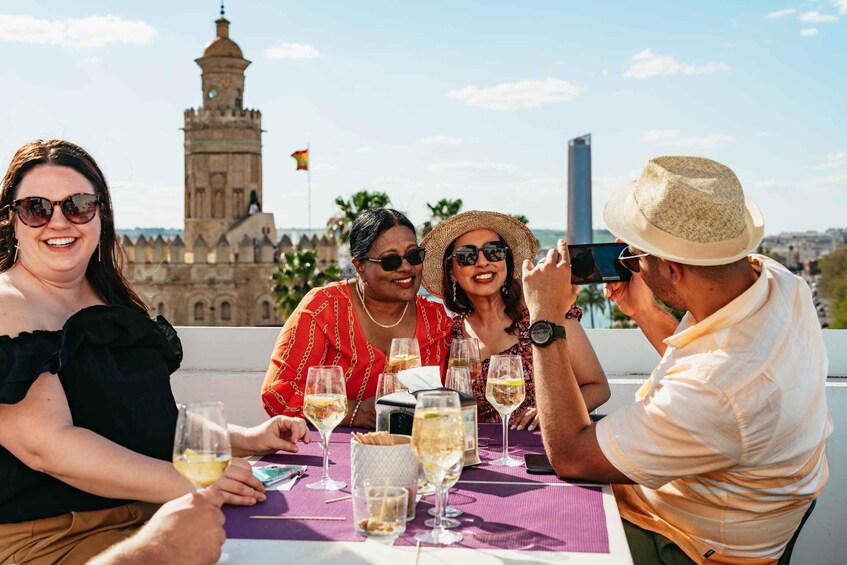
(365, 306)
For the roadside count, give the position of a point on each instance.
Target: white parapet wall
(229, 364)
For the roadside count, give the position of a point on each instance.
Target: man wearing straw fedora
(722, 452)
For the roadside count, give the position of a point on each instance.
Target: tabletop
(509, 516)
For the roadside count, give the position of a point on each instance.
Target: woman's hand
(366, 414)
(280, 433)
(528, 420)
(238, 485)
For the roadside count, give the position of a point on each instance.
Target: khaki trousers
(70, 539)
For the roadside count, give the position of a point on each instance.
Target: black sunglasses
(630, 260)
(36, 211)
(467, 255)
(392, 262)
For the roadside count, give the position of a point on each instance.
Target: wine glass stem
(325, 445)
(506, 418)
(440, 499)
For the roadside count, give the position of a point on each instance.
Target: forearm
(132, 551)
(657, 325)
(108, 469)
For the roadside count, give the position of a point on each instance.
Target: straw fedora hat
(689, 210)
(518, 237)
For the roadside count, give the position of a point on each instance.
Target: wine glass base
(439, 537)
(506, 462)
(445, 522)
(450, 512)
(326, 484)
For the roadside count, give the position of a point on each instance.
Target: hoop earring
(504, 290)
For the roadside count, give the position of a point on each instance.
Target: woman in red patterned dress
(471, 264)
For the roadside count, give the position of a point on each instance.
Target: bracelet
(356, 409)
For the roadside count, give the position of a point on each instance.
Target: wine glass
(405, 354)
(438, 439)
(325, 405)
(388, 384)
(201, 450)
(505, 391)
(458, 379)
(464, 352)
(450, 479)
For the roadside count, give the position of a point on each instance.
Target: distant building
(579, 190)
(796, 249)
(219, 275)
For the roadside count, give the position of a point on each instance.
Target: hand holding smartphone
(594, 263)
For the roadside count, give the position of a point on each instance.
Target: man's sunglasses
(36, 211)
(393, 262)
(630, 260)
(494, 251)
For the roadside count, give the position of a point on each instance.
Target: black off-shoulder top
(114, 364)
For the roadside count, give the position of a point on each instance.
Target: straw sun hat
(518, 237)
(689, 210)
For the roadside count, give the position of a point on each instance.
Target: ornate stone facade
(220, 274)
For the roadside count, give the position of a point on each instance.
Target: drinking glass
(325, 405)
(405, 354)
(505, 391)
(450, 479)
(458, 379)
(438, 442)
(387, 384)
(201, 450)
(464, 352)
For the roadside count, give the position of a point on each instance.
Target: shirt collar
(740, 308)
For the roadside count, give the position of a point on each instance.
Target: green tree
(296, 275)
(521, 218)
(833, 286)
(440, 211)
(621, 320)
(338, 226)
(591, 298)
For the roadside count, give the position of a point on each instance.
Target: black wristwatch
(542, 333)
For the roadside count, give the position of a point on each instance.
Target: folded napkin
(420, 378)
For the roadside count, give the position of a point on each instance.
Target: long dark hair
(513, 298)
(370, 224)
(103, 272)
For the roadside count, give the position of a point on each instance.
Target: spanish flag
(302, 158)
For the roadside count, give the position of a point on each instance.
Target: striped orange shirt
(325, 330)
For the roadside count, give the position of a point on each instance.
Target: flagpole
(309, 180)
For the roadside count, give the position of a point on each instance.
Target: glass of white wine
(464, 352)
(202, 450)
(458, 379)
(450, 479)
(405, 354)
(325, 405)
(505, 391)
(438, 439)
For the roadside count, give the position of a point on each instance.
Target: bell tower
(223, 144)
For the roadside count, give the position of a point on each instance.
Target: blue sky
(425, 100)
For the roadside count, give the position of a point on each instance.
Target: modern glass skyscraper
(579, 190)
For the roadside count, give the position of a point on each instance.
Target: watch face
(541, 333)
(213, 92)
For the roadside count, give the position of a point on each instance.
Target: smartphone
(593, 263)
(538, 464)
(273, 474)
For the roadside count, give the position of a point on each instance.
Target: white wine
(474, 367)
(505, 394)
(438, 439)
(325, 411)
(202, 469)
(402, 362)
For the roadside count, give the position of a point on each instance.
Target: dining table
(509, 515)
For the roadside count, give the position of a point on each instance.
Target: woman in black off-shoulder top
(87, 416)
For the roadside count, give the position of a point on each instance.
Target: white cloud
(646, 64)
(781, 13)
(817, 18)
(292, 51)
(841, 5)
(441, 140)
(672, 137)
(834, 161)
(91, 60)
(365, 151)
(808, 32)
(524, 94)
(623, 93)
(72, 33)
(471, 166)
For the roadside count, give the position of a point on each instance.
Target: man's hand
(188, 529)
(280, 433)
(547, 286)
(633, 297)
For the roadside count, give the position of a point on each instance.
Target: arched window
(226, 311)
(199, 311)
(266, 310)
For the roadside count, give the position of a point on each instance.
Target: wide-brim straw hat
(690, 210)
(518, 237)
